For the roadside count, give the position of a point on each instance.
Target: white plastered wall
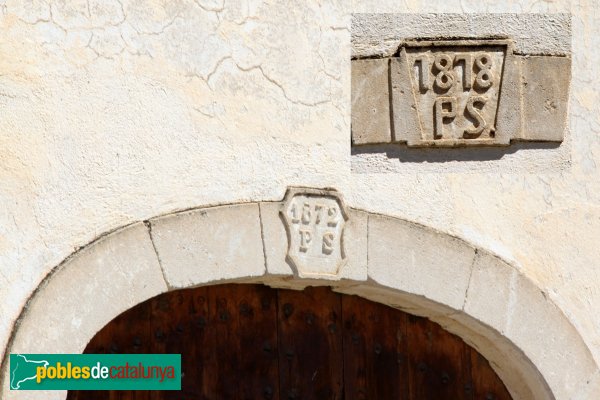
(117, 111)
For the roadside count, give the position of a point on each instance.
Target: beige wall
(115, 112)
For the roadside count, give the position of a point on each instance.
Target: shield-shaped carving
(314, 221)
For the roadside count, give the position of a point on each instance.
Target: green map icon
(23, 369)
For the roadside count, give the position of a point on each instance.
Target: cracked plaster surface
(114, 112)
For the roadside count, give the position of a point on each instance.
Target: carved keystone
(456, 87)
(314, 221)
(489, 83)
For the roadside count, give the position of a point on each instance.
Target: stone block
(590, 389)
(405, 117)
(519, 310)
(370, 102)
(510, 113)
(354, 242)
(408, 257)
(315, 222)
(210, 244)
(275, 239)
(454, 87)
(84, 294)
(381, 34)
(479, 90)
(539, 329)
(545, 88)
(486, 300)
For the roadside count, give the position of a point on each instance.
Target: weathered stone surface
(114, 274)
(545, 87)
(545, 336)
(590, 389)
(406, 257)
(486, 300)
(349, 264)
(204, 245)
(125, 110)
(274, 239)
(518, 309)
(405, 115)
(120, 266)
(470, 93)
(380, 35)
(457, 86)
(509, 116)
(370, 102)
(314, 220)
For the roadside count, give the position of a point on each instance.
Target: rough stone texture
(314, 221)
(114, 274)
(274, 239)
(276, 245)
(481, 96)
(408, 258)
(509, 309)
(545, 100)
(446, 116)
(370, 101)
(405, 117)
(548, 345)
(205, 245)
(486, 300)
(534, 34)
(591, 389)
(355, 241)
(509, 118)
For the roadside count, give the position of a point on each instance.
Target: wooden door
(250, 342)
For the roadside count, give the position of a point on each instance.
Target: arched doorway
(470, 292)
(255, 342)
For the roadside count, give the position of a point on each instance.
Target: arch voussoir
(527, 339)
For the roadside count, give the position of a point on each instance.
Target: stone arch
(529, 342)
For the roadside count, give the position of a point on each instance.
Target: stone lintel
(458, 93)
(370, 102)
(381, 34)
